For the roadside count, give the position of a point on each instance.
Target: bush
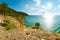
(9, 28)
(8, 25)
(37, 25)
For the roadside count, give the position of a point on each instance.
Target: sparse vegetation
(7, 11)
(9, 28)
(37, 26)
(8, 25)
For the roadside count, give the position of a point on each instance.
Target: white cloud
(49, 5)
(32, 9)
(43, 9)
(43, 6)
(37, 2)
(36, 10)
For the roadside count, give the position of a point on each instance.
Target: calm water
(50, 23)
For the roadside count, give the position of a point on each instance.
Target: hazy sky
(35, 7)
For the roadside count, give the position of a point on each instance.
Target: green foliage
(3, 7)
(7, 11)
(57, 38)
(9, 28)
(8, 25)
(4, 4)
(37, 24)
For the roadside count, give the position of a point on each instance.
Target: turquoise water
(45, 24)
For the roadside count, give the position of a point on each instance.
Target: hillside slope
(7, 11)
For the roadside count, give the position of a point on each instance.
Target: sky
(35, 7)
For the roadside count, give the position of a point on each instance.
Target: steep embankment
(7, 11)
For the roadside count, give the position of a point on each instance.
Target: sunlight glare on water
(48, 20)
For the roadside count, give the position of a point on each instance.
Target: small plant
(37, 25)
(8, 25)
(9, 28)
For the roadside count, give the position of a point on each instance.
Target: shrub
(37, 25)
(9, 28)
(8, 25)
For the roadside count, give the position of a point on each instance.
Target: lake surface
(50, 23)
